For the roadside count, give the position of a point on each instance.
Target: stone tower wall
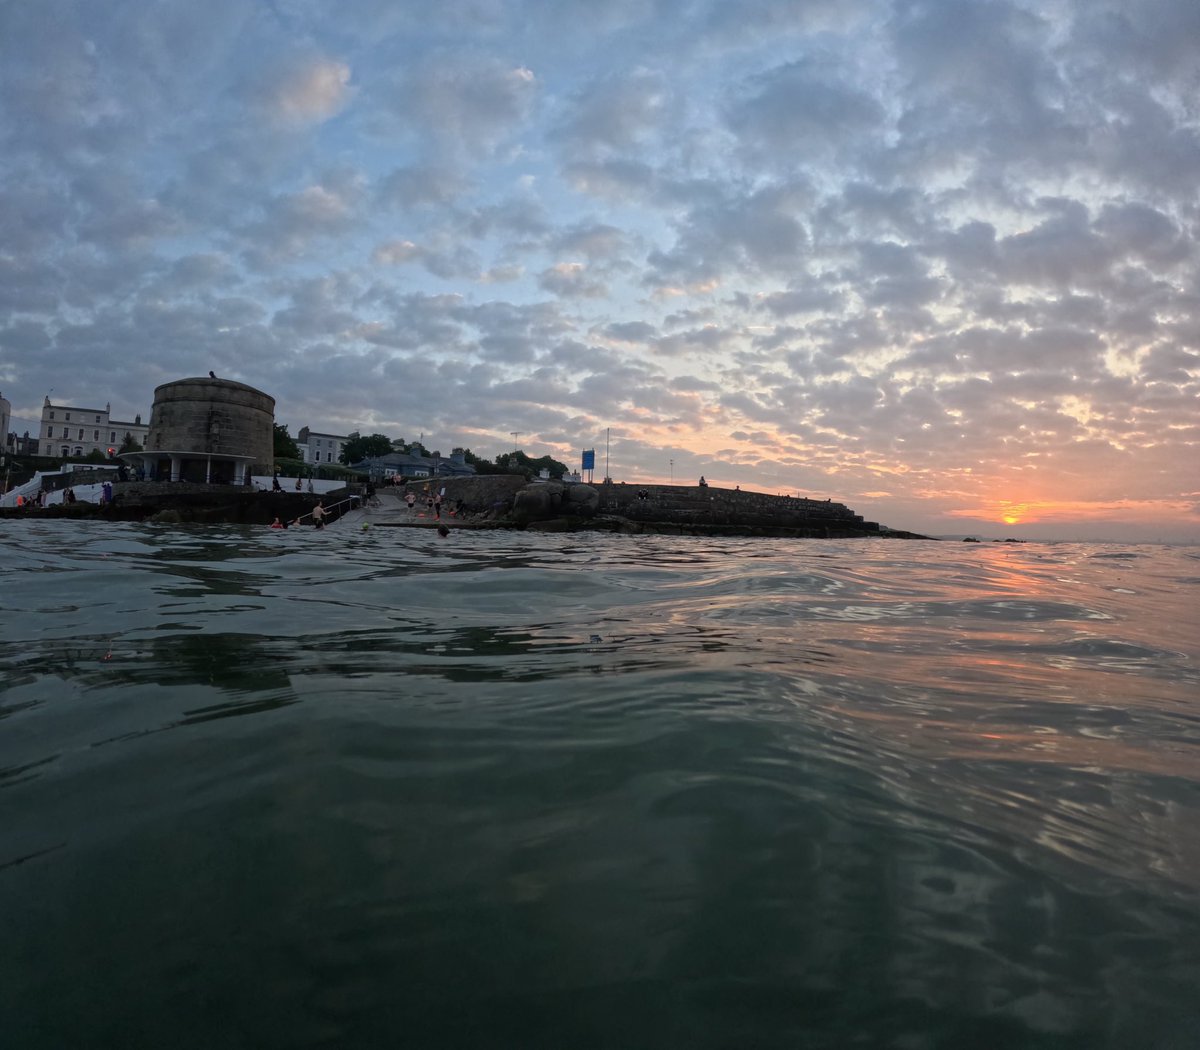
(216, 416)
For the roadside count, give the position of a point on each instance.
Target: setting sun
(1013, 513)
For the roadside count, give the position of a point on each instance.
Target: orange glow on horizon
(1050, 511)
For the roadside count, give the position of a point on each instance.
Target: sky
(937, 260)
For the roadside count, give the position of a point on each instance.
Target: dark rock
(582, 500)
(533, 503)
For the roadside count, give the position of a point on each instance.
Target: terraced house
(317, 448)
(68, 430)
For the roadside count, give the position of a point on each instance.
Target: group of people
(277, 487)
(318, 515)
(42, 498)
(434, 502)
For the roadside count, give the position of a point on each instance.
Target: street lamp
(672, 472)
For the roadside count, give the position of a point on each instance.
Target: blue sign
(589, 459)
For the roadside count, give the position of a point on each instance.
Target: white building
(320, 448)
(71, 431)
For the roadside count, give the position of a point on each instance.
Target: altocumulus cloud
(937, 259)
(304, 90)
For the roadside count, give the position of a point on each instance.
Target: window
(52, 415)
(95, 435)
(67, 417)
(49, 432)
(112, 437)
(97, 419)
(81, 433)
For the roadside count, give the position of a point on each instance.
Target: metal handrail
(349, 499)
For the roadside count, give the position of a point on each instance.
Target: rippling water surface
(372, 788)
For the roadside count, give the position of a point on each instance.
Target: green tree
(556, 469)
(518, 462)
(359, 448)
(285, 446)
(482, 466)
(129, 445)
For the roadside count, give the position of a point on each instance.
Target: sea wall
(709, 506)
(508, 501)
(490, 495)
(183, 501)
(645, 508)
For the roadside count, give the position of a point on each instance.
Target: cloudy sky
(938, 260)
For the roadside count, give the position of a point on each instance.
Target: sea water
(350, 788)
